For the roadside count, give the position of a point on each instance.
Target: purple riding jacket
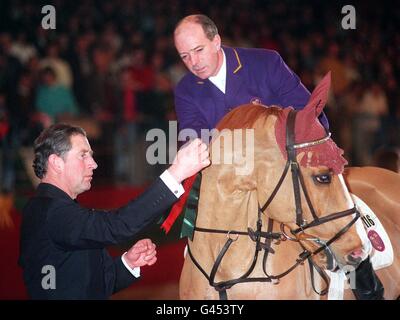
(253, 75)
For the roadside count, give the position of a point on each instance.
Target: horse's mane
(245, 116)
(242, 117)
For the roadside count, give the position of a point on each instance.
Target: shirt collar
(219, 80)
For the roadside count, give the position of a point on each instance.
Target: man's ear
(55, 163)
(217, 41)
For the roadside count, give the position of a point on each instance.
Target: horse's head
(297, 178)
(316, 205)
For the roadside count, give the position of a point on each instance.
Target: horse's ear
(319, 97)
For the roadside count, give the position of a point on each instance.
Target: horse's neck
(230, 202)
(222, 209)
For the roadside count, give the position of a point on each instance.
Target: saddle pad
(374, 235)
(377, 245)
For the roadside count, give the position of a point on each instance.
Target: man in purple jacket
(222, 78)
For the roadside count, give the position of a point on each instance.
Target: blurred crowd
(111, 66)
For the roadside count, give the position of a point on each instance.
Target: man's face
(202, 56)
(78, 166)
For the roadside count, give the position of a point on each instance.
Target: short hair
(54, 140)
(209, 27)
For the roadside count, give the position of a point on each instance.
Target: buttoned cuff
(135, 271)
(175, 187)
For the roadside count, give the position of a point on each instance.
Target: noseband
(269, 236)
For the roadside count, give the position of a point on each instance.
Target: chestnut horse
(270, 233)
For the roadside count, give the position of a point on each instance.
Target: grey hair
(209, 27)
(54, 140)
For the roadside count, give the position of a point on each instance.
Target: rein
(258, 235)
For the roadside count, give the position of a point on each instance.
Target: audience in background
(93, 45)
(387, 158)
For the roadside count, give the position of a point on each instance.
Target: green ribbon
(190, 210)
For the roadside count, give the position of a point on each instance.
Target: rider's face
(202, 56)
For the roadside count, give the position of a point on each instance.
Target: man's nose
(93, 164)
(194, 59)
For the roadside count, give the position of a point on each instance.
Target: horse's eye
(323, 178)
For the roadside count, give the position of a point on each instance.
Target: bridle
(269, 236)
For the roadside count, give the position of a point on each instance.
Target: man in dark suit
(222, 78)
(62, 247)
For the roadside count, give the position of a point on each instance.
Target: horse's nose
(354, 261)
(357, 253)
(356, 256)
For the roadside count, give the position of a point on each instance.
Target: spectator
(387, 158)
(54, 100)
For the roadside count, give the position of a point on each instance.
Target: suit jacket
(253, 75)
(56, 231)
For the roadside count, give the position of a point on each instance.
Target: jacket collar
(51, 191)
(233, 64)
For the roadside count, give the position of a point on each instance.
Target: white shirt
(177, 189)
(220, 79)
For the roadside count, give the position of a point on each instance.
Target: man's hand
(190, 159)
(141, 253)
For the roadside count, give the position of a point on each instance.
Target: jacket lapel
(210, 100)
(234, 68)
(213, 103)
